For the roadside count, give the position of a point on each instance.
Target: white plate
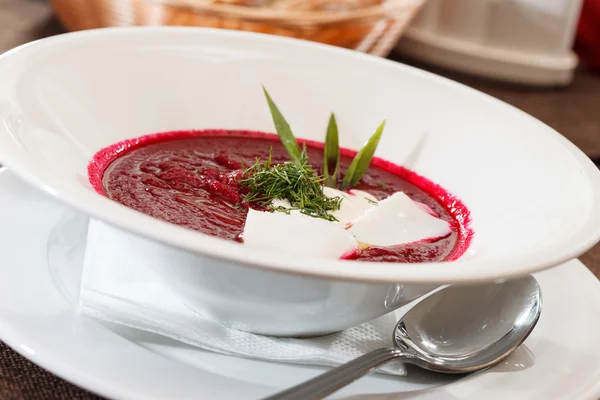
(561, 358)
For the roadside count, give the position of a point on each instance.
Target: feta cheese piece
(397, 220)
(427, 209)
(354, 203)
(297, 234)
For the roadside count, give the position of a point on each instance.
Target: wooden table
(572, 111)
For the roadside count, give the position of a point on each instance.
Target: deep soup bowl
(534, 198)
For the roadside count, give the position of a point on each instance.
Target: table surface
(573, 111)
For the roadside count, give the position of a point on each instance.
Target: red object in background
(587, 42)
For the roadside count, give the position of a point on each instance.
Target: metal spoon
(458, 329)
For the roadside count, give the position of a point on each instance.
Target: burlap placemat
(20, 379)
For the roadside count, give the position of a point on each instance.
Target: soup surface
(191, 179)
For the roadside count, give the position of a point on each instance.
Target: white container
(534, 198)
(522, 41)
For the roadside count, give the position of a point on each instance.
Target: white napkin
(117, 288)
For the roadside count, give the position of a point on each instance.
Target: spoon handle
(337, 378)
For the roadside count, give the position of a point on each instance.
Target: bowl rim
(173, 236)
(295, 17)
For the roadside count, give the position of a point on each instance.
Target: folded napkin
(117, 288)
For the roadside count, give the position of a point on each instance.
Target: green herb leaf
(331, 154)
(361, 161)
(284, 131)
(296, 183)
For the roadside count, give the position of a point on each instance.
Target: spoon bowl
(462, 329)
(456, 330)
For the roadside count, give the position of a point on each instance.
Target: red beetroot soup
(189, 178)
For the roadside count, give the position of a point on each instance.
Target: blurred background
(532, 42)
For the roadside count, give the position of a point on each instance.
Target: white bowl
(534, 197)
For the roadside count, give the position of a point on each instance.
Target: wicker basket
(371, 26)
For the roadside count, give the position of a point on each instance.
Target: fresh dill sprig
(295, 182)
